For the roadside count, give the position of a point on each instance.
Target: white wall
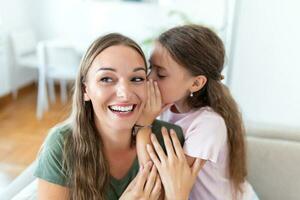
(85, 20)
(266, 66)
(15, 15)
(4, 74)
(81, 21)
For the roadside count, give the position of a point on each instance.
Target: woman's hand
(153, 105)
(145, 186)
(176, 175)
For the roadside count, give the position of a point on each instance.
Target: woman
(92, 155)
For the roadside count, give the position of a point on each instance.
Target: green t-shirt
(50, 167)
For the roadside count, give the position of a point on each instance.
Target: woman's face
(116, 87)
(173, 79)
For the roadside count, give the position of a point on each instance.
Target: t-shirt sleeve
(205, 137)
(50, 167)
(156, 129)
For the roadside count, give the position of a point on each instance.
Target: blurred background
(42, 42)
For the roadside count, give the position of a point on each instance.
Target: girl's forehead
(161, 58)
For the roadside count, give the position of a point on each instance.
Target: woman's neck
(115, 139)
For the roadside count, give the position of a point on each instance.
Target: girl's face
(116, 87)
(173, 79)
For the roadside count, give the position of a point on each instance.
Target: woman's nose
(123, 91)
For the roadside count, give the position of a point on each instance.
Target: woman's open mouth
(122, 108)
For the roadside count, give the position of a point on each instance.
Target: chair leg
(51, 87)
(63, 91)
(42, 98)
(15, 93)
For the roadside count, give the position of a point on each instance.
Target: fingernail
(148, 147)
(150, 163)
(152, 136)
(172, 131)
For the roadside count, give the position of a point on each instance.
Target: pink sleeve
(205, 137)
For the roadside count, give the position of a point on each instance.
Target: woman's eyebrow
(114, 70)
(139, 68)
(106, 68)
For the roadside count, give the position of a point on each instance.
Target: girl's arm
(142, 139)
(152, 109)
(50, 191)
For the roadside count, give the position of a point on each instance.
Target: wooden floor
(21, 134)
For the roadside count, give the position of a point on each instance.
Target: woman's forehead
(119, 57)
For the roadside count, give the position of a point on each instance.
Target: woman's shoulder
(158, 124)
(56, 136)
(50, 160)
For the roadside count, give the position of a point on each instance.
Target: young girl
(186, 63)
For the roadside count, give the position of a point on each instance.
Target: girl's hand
(145, 186)
(153, 105)
(152, 108)
(176, 175)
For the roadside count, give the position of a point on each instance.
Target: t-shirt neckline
(121, 181)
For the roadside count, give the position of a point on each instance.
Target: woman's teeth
(121, 108)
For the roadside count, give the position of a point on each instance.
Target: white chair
(57, 61)
(24, 47)
(23, 52)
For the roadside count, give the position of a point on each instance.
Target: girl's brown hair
(84, 159)
(202, 52)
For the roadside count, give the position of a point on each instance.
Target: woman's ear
(86, 97)
(198, 83)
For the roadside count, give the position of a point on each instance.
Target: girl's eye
(106, 80)
(160, 76)
(138, 79)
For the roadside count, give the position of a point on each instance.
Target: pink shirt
(206, 138)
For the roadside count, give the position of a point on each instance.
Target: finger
(148, 95)
(150, 181)
(142, 107)
(177, 145)
(157, 187)
(168, 143)
(152, 90)
(158, 99)
(158, 149)
(153, 96)
(197, 165)
(153, 156)
(132, 183)
(142, 176)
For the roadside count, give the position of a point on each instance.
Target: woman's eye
(138, 79)
(106, 80)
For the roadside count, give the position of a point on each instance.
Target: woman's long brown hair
(202, 52)
(84, 159)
